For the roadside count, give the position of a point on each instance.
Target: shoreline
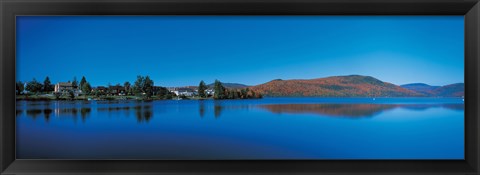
(134, 98)
(110, 98)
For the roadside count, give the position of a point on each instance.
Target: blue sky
(182, 50)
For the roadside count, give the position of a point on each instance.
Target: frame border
(9, 9)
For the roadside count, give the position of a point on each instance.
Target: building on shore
(117, 90)
(63, 87)
(182, 91)
(101, 89)
(210, 91)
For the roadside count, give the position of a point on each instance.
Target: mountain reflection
(349, 110)
(144, 112)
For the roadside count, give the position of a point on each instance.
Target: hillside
(452, 90)
(421, 88)
(336, 86)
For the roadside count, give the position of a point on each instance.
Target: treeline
(143, 87)
(223, 93)
(34, 86)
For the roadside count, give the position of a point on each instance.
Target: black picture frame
(11, 8)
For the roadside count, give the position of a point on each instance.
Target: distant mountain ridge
(451, 90)
(230, 85)
(422, 88)
(348, 86)
(335, 86)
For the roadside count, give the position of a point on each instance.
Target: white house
(183, 91)
(65, 87)
(62, 87)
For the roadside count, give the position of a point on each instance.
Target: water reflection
(143, 113)
(18, 112)
(217, 109)
(116, 108)
(34, 113)
(349, 110)
(201, 108)
(84, 113)
(47, 113)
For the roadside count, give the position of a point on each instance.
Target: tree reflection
(143, 113)
(18, 112)
(217, 107)
(47, 113)
(84, 112)
(61, 112)
(201, 108)
(34, 113)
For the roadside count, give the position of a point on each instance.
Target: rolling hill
(452, 90)
(421, 88)
(230, 85)
(336, 86)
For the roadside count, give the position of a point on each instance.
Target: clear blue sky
(182, 50)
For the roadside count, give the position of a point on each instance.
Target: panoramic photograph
(240, 87)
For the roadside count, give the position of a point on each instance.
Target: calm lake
(269, 128)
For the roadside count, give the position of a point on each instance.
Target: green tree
(71, 94)
(201, 89)
(143, 85)
(235, 94)
(86, 88)
(19, 87)
(82, 81)
(138, 85)
(47, 85)
(162, 93)
(75, 83)
(244, 93)
(34, 86)
(127, 85)
(148, 86)
(231, 94)
(109, 88)
(219, 90)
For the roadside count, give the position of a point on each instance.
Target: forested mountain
(336, 86)
(452, 90)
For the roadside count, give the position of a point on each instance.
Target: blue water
(269, 128)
